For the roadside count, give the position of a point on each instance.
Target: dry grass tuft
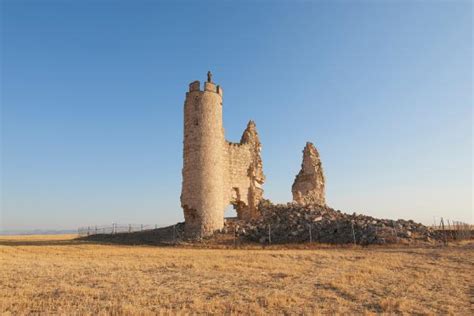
(59, 275)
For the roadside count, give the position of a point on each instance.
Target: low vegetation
(61, 275)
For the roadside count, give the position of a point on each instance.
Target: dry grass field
(58, 275)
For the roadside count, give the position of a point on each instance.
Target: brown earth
(60, 274)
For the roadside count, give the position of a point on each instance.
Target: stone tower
(308, 187)
(216, 172)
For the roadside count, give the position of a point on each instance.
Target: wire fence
(446, 224)
(453, 230)
(447, 230)
(114, 229)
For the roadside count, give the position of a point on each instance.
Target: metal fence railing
(113, 229)
(446, 224)
(453, 230)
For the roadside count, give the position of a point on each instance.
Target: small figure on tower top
(209, 76)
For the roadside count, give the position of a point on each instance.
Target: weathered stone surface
(290, 223)
(308, 187)
(216, 172)
(245, 173)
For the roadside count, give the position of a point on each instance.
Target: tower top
(208, 85)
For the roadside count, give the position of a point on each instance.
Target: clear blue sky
(93, 92)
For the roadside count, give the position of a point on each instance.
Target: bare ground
(58, 274)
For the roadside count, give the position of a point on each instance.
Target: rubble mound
(294, 223)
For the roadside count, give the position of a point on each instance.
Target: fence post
(353, 233)
(88, 230)
(395, 231)
(142, 227)
(174, 233)
(235, 236)
(444, 231)
(269, 234)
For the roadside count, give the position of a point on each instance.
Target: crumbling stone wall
(245, 173)
(216, 172)
(308, 187)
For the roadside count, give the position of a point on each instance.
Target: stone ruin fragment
(308, 187)
(216, 172)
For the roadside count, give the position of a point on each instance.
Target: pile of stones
(294, 223)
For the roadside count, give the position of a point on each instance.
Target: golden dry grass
(57, 275)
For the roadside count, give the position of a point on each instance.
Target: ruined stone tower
(309, 184)
(216, 173)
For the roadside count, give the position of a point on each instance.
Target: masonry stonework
(216, 172)
(309, 185)
(245, 174)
